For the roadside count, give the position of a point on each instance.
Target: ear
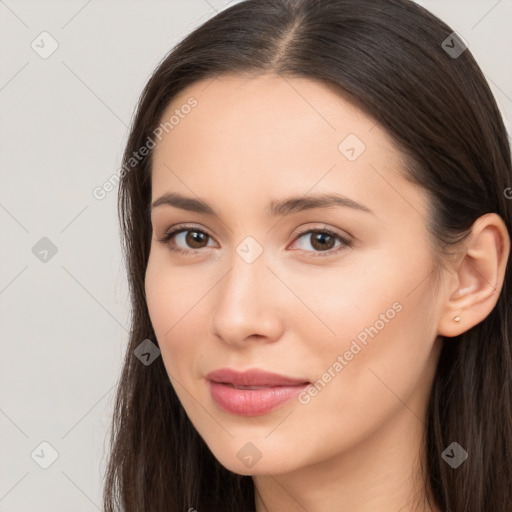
(478, 277)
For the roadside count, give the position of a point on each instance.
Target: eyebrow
(276, 208)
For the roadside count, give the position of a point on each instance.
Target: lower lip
(252, 402)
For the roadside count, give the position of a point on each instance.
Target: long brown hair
(389, 59)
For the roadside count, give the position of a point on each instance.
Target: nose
(247, 305)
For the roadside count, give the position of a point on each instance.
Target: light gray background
(64, 122)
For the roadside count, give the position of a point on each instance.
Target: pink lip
(229, 390)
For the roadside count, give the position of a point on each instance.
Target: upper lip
(252, 377)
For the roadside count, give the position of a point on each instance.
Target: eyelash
(180, 229)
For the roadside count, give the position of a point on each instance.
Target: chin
(243, 463)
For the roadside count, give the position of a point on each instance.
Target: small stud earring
(457, 319)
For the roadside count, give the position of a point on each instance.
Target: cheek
(173, 304)
(384, 335)
(167, 293)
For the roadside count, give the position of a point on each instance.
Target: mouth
(252, 378)
(244, 387)
(253, 392)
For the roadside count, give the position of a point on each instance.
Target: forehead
(275, 136)
(263, 106)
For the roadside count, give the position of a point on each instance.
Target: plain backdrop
(63, 292)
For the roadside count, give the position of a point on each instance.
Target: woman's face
(351, 310)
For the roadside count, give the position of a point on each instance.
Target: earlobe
(478, 277)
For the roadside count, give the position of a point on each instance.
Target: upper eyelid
(180, 228)
(299, 232)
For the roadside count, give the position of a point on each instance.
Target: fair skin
(357, 444)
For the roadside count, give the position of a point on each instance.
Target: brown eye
(195, 239)
(185, 240)
(323, 242)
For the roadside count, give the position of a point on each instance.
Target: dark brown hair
(387, 58)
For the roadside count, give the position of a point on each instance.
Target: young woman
(315, 203)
